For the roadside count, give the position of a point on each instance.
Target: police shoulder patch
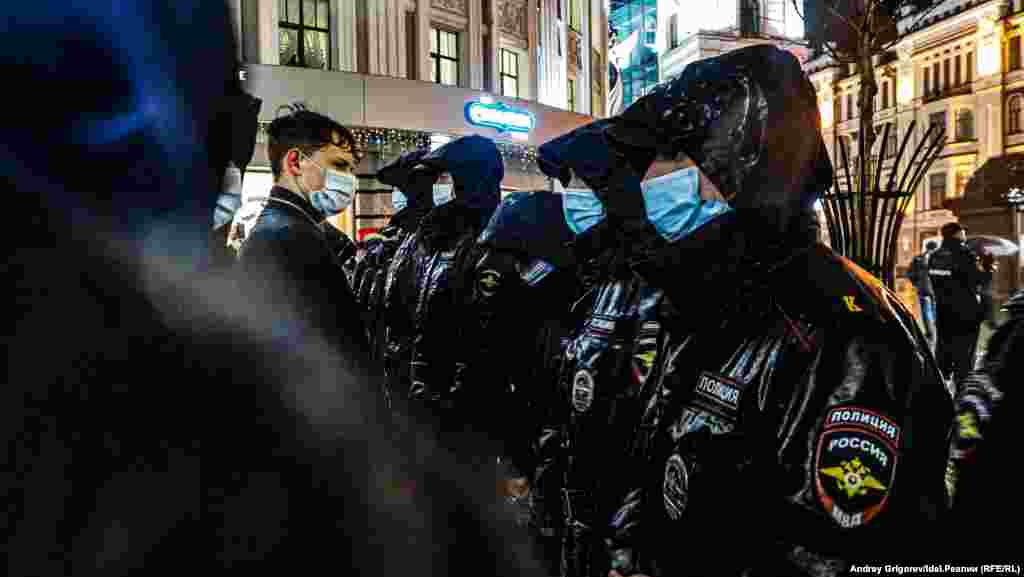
(582, 391)
(855, 463)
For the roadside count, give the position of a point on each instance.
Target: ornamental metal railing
(863, 213)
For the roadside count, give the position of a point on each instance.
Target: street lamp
(1015, 198)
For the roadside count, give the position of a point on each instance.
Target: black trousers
(955, 347)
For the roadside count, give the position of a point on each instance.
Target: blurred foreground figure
(155, 422)
(798, 424)
(988, 433)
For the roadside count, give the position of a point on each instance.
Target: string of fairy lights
(396, 141)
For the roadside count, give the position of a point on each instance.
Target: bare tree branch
(867, 28)
(836, 13)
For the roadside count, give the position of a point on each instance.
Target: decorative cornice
(512, 18)
(456, 6)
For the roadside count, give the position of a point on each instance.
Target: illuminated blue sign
(498, 116)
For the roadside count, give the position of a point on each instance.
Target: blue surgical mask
(582, 209)
(337, 194)
(674, 205)
(443, 194)
(398, 200)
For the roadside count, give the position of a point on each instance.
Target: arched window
(1014, 119)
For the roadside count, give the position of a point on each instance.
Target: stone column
(531, 51)
(474, 46)
(372, 35)
(345, 40)
(495, 31)
(402, 39)
(267, 30)
(423, 36)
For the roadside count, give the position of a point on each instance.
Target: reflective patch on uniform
(582, 391)
(600, 325)
(719, 390)
(855, 464)
(676, 487)
(536, 272)
(488, 282)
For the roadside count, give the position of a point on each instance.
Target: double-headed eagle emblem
(853, 477)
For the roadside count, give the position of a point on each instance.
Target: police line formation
(680, 377)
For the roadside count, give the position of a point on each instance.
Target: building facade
(635, 48)
(404, 74)
(959, 67)
(653, 40)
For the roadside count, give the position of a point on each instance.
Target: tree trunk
(866, 140)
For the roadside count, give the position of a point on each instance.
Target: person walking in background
(956, 273)
(918, 276)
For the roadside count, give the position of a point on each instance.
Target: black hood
(415, 183)
(477, 170)
(531, 224)
(749, 119)
(736, 117)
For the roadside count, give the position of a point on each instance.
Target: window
(1013, 57)
(957, 80)
(927, 81)
(936, 190)
(509, 73)
(964, 124)
(1014, 120)
(962, 176)
(969, 68)
(849, 106)
(572, 94)
(574, 14)
(945, 72)
(937, 119)
(304, 35)
(936, 78)
(673, 31)
(444, 56)
(885, 95)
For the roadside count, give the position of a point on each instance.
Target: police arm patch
(855, 464)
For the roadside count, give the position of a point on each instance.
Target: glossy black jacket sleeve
(297, 262)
